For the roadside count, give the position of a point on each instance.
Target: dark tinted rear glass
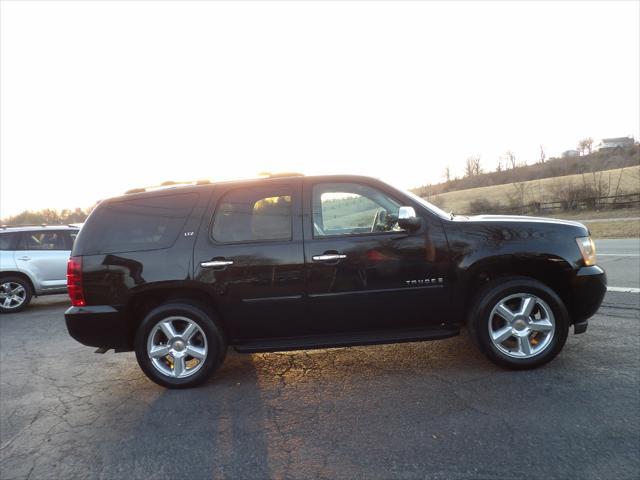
(138, 224)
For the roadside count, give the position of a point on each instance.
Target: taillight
(74, 281)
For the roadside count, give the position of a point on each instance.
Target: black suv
(294, 262)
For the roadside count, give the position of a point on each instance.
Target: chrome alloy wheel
(521, 325)
(177, 347)
(12, 295)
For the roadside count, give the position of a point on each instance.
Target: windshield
(438, 211)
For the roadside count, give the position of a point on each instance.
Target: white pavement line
(618, 254)
(623, 289)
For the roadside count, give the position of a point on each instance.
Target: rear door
(44, 253)
(364, 273)
(250, 252)
(8, 241)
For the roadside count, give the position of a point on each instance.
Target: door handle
(25, 258)
(216, 263)
(329, 257)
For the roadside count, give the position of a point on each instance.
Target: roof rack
(166, 184)
(171, 183)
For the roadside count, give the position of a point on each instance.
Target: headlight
(587, 249)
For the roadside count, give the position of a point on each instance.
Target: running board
(344, 340)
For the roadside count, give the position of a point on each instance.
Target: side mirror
(407, 219)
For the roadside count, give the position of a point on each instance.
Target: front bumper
(587, 290)
(99, 326)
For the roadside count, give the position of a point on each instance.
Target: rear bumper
(587, 290)
(99, 326)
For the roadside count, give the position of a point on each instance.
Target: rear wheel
(178, 345)
(15, 294)
(519, 323)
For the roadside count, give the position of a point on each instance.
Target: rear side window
(7, 241)
(43, 240)
(253, 215)
(133, 225)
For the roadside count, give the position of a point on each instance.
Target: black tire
(28, 295)
(490, 295)
(200, 315)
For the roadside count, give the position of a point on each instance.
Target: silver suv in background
(33, 261)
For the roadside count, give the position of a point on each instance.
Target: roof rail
(26, 225)
(4, 227)
(281, 174)
(166, 184)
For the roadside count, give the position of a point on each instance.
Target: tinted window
(7, 241)
(351, 208)
(43, 240)
(254, 214)
(138, 224)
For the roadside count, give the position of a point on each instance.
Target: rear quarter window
(148, 223)
(8, 241)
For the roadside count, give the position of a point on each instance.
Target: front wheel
(519, 323)
(178, 345)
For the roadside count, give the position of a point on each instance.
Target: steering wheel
(379, 219)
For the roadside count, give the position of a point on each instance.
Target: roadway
(432, 410)
(621, 260)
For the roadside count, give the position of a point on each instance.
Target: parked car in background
(299, 262)
(33, 262)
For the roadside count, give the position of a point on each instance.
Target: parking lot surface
(430, 410)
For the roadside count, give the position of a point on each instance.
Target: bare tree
(585, 145)
(543, 155)
(447, 173)
(472, 166)
(518, 197)
(510, 159)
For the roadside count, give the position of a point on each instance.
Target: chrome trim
(329, 257)
(406, 212)
(216, 263)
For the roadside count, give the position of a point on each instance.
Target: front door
(364, 273)
(251, 255)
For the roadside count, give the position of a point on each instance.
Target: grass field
(626, 180)
(587, 215)
(620, 229)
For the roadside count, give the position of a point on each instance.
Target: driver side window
(352, 208)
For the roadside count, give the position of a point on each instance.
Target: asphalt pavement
(435, 410)
(621, 260)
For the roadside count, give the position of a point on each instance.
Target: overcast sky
(100, 97)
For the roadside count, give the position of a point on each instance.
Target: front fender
(37, 288)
